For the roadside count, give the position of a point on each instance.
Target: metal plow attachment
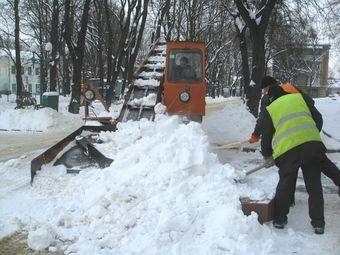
(81, 155)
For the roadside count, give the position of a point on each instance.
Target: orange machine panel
(184, 81)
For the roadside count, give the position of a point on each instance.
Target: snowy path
(17, 144)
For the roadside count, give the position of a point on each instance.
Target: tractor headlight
(89, 95)
(184, 96)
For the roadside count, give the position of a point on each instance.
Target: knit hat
(268, 81)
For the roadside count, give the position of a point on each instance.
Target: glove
(269, 161)
(254, 138)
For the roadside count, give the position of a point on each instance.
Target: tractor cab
(184, 79)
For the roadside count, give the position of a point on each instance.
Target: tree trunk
(258, 68)
(138, 40)
(125, 20)
(109, 52)
(165, 9)
(99, 7)
(55, 46)
(245, 60)
(66, 79)
(17, 49)
(257, 36)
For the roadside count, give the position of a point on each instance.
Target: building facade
(305, 67)
(313, 78)
(30, 73)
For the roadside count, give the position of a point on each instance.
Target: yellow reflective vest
(293, 123)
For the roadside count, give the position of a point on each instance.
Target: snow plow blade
(87, 147)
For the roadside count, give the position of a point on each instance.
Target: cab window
(185, 65)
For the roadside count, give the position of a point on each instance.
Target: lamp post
(35, 60)
(48, 49)
(43, 61)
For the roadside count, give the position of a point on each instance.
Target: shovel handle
(259, 167)
(231, 145)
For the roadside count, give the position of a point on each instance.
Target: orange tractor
(172, 73)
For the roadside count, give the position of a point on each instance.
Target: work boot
(279, 225)
(319, 230)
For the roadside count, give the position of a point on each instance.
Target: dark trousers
(329, 169)
(308, 156)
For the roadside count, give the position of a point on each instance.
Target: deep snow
(166, 192)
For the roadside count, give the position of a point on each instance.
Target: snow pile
(47, 119)
(330, 109)
(220, 99)
(165, 193)
(36, 120)
(234, 124)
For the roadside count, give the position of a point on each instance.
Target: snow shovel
(264, 208)
(257, 168)
(330, 136)
(245, 174)
(231, 145)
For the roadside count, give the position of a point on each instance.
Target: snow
(149, 82)
(166, 192)
(146, 75)
(149, 100)
(157, 59)
(240, 23)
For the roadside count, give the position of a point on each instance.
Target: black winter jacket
(267, 126)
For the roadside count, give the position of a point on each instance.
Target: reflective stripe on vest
(293, 123)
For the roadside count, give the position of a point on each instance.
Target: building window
(29, 87)
(14, 88)
(29, 70)
(22, 70)
(13, 70)
(37, 71)
(37, 88)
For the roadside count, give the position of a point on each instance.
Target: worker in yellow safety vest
(291, 138)
(327, 166)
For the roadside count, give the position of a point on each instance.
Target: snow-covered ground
(167, 192)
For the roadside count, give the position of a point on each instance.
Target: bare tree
(36, 21)
(136, 36)
(132, 19)
(256, 16)
(76, 51)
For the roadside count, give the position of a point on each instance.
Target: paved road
(17, 144)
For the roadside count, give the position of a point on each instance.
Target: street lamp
(40, 58)
(36, 58)
(48, 49)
